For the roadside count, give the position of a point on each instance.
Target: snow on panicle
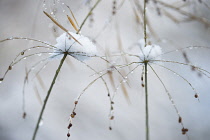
(66, 44)
(149, 52)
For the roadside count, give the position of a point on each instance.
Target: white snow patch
(67, 44)
(150, 52)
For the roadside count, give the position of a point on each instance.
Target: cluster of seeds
(114, 7)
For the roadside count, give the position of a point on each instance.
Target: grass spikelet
(60, 26)
(72, 23)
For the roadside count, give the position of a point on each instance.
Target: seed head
(180, 119)
(72, 115)
(112, 118)
(70, 125)
(10, 68)
(76, 102)
(110, 128)
(24, 115)
(196, 95)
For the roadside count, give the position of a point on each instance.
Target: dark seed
(142, 85)
(183, 132)
(22, 53)
(142, 78)
(180, 119)
(76, 102)
(196, 96)
(68, 135)
(10, 68)
(24, 115)
(72, 115)
(193, 68)
(112, 108)
(112, 118)
(110, 128)
(69, 126)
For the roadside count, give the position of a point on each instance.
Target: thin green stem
(146, 104)
(90, 12)
(56, 74)
(146, 89)
(48, 94)
(145, 23)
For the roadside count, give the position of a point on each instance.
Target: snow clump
(150, 52)
(81, 49)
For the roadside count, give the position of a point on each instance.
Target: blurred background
(172, 25)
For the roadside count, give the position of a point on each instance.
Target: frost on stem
(66, 44)
(149, 52)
